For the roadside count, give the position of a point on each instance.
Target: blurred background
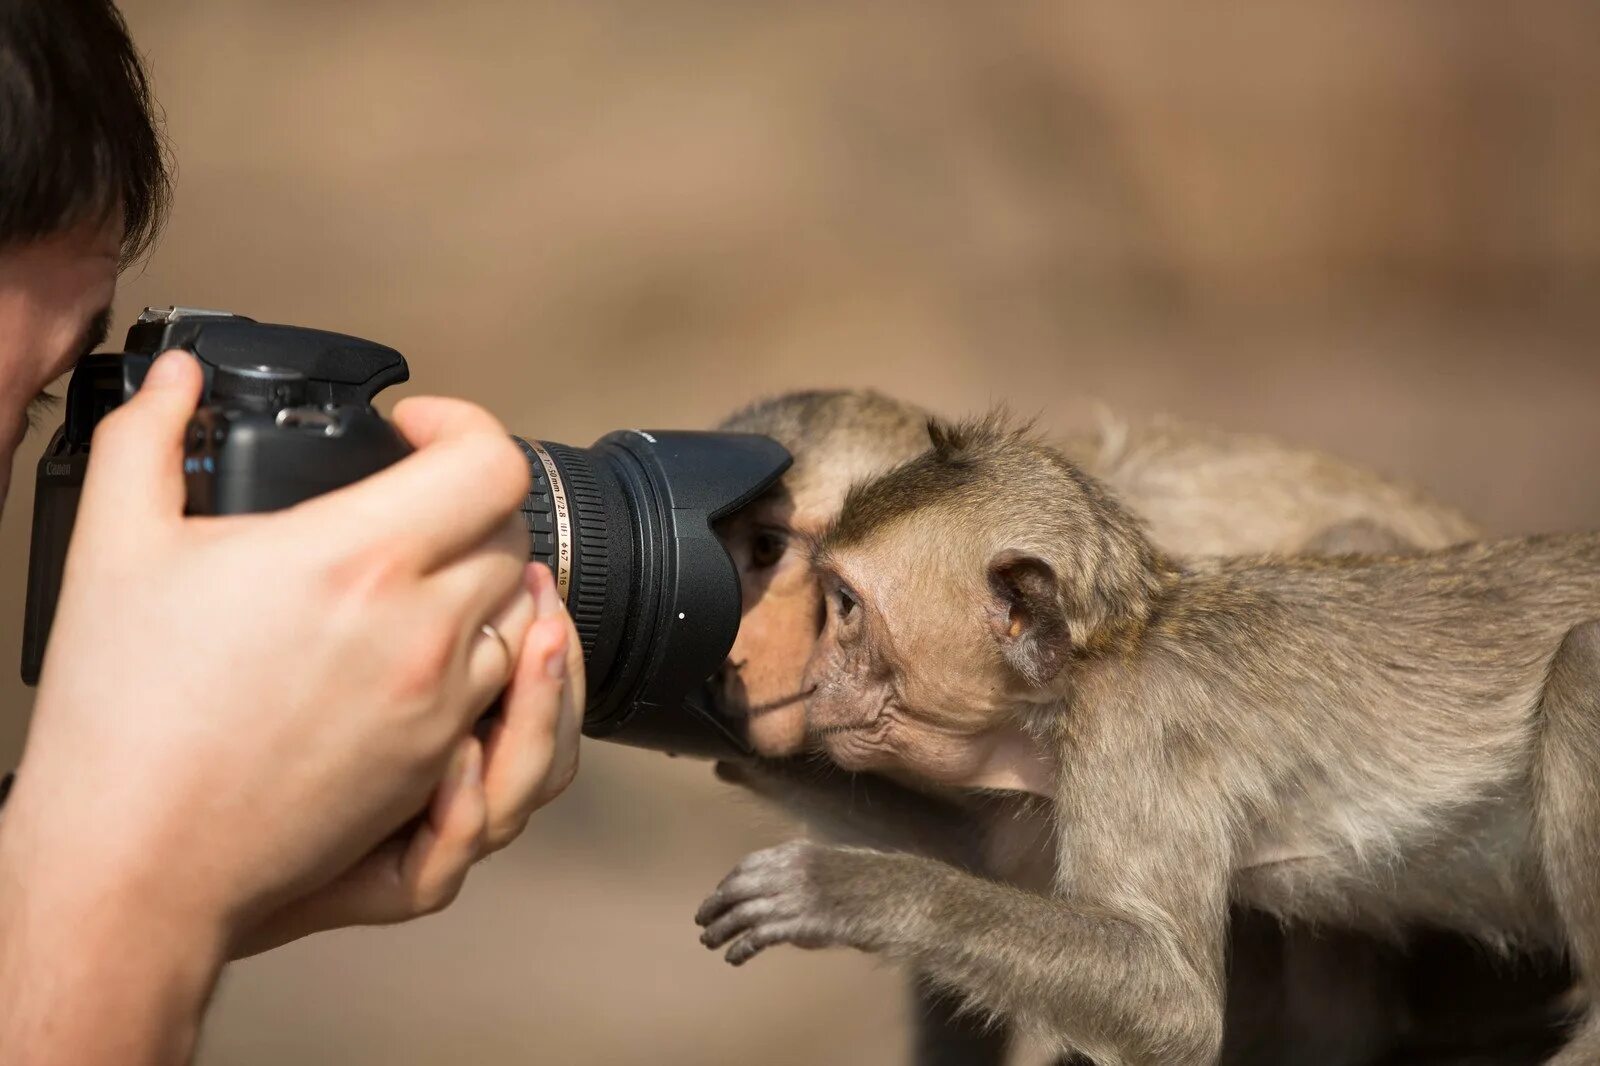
(1367, 226)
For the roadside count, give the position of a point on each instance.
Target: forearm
(1090, 978)
(93, 971)
(1086, 977)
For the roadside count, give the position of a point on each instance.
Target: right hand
(234, 710)
(528, 757)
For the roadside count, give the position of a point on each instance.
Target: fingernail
(556, 664)
(168, 368)
(549, 599)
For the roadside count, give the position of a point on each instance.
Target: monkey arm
(1122, 983)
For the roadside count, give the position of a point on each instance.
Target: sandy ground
(1367, 227)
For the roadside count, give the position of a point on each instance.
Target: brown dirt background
(1366, 226)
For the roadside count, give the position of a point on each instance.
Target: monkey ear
(1026, 616)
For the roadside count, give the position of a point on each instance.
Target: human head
(83, 189)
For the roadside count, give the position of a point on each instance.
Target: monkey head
(958, 590)
(836, 438)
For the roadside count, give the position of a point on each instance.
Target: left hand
(490, 790)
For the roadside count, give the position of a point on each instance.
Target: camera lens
(570, 512)
(625, 526)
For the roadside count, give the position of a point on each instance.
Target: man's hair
(79, 137)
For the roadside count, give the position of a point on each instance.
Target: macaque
(1200, 492)
(1359, 742)
(1302, 997)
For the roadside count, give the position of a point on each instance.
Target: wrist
(81, 935)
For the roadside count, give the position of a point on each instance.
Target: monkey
(1200, 490)
(1324, 997)
(1366, 742)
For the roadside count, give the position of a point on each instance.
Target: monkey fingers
(773, 897)
(800, 932)
(740, 918)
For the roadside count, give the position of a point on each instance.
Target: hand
(528, 757)
(234, 710)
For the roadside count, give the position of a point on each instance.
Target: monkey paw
(797, 893)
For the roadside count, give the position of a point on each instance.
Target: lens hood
(626, 526)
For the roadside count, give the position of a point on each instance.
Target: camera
(625, 525)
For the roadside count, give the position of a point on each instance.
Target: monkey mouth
(836, 730)
(874, 723)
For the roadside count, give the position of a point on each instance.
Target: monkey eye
(847, 602)
(767, 547)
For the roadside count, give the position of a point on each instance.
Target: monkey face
(905, 675)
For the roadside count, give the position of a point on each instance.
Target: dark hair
(79, 137)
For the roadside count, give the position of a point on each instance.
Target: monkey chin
(875, 748)
(858, 748)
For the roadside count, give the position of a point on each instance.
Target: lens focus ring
(566, 519)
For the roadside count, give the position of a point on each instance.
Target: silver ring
(490, 631)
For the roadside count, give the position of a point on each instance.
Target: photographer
(240, 719)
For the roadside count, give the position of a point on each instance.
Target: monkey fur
(1096, 639)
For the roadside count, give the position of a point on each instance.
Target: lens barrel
(625, 526)
(570, 511)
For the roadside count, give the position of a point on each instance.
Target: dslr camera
(625, 525)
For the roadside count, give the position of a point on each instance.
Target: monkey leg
(1567, 807)
(1093, 978)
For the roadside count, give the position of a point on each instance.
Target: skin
(1360, 742)
(1350, 997)
(230, 812)
(51, 294)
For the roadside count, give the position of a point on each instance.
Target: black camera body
(286, 414)
(248, 453)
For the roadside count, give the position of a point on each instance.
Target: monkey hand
(814, 896)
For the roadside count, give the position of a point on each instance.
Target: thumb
(136, 466)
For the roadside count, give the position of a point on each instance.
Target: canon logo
(57, 469)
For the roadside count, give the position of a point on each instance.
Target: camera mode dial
(261, 388)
